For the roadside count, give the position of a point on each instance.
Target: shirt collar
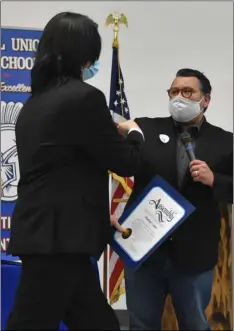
(196, 126)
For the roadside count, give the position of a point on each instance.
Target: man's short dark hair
(69, 41)
(204, 81)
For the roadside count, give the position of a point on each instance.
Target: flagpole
(114, 19)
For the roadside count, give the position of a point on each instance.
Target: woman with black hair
(66, 142)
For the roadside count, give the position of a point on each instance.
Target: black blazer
(194, 245)
(66, 143)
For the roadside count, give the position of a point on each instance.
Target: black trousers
(60, 288)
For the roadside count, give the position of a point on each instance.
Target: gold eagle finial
(116, 19)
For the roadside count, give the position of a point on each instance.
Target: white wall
(162, 38)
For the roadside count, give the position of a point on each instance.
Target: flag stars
(120, 81)
(116, 103)
(118, 92)
(122, 101)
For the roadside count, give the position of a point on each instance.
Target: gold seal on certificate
(127, 233)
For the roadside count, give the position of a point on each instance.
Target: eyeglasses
(186, 92)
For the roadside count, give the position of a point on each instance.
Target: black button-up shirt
(182, 157)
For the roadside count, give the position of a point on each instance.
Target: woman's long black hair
(68, 43)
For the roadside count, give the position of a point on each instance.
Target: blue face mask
(90, 72)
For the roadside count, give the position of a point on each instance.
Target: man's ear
(207, 99)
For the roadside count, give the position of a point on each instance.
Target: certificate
(150, 220)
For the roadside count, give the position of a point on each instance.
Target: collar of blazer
(169, 128)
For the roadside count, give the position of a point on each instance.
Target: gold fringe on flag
(123, 182)
(118, 290)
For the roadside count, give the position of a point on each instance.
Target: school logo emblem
(9, 158)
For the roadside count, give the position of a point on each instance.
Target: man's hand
(201, 172)
(124, 127)
(115, 223)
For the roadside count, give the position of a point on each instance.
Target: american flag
(121, 187)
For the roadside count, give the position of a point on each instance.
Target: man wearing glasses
(183, 265)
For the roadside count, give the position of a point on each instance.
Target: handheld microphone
(188, 145)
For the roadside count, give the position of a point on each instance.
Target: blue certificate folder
(152, 218)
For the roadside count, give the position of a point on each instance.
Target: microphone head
(186, 138)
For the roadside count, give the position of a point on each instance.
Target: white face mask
(184, 110)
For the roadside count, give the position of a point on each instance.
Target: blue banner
(18, 47)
